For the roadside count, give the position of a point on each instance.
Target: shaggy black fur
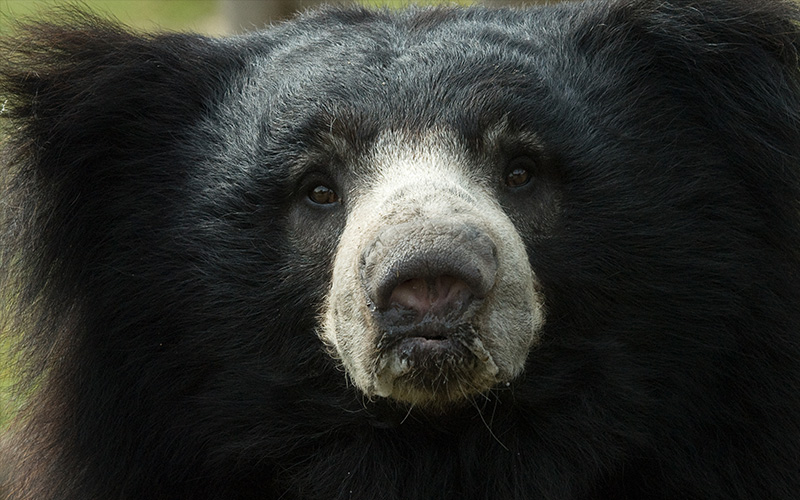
(169, 299)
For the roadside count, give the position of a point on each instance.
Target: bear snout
(430, 268)
(432, 298)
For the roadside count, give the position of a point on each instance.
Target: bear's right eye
(323, 195)
(517, 178)
(519, 172)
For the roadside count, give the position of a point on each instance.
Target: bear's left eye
(323, 195)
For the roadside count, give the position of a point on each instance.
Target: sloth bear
(432, 254)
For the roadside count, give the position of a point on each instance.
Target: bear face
(407, 212)
(437, 253)
(432, 297)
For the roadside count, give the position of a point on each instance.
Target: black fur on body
(169, 274)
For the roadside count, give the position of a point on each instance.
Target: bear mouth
(429, 344)
(433, 353)
(433, 364)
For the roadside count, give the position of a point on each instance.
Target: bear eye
(323, 195)
(517, 178)
(519, 172)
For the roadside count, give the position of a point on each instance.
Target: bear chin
(435, 372)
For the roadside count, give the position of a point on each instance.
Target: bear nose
(430, 267)
(436, 295)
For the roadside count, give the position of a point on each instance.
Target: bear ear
(86, 95)
(98, 124)
(731, 66)
(692, 32)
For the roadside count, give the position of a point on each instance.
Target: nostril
(428, 266)
(438, 296)
(410, 294)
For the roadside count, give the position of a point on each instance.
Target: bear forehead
(339, 92)
(343, 39)
(410, 70)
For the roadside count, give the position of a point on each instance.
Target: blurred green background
(215, 17)
(196, 15)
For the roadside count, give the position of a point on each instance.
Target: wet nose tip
(438, 295)
(429, 266)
